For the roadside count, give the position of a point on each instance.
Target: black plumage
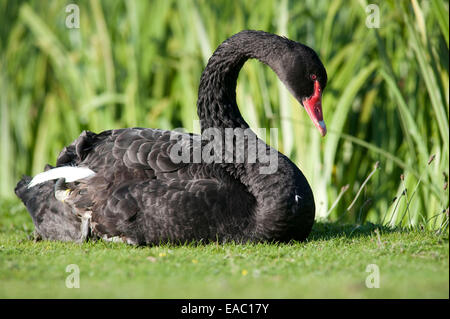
(140, 194)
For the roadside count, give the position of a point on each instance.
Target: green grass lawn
(331, 264)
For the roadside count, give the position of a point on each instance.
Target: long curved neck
(216, 105)
(217, 108)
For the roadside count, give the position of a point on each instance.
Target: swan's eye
(313, 77)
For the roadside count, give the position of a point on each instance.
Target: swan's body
(135, 191)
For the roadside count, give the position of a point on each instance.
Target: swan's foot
(115, 239)
(61, 191)
(119, 239)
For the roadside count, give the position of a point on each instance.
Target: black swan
(124, 185)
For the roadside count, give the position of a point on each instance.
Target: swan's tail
(52, 219)
(23, 193)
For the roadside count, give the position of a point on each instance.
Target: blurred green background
(138, 63)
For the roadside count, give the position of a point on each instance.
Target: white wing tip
(70, 173)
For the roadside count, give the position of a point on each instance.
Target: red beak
(313, 106)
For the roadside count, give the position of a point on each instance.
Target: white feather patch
(70, 173)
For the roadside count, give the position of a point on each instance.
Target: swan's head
(301, 70)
